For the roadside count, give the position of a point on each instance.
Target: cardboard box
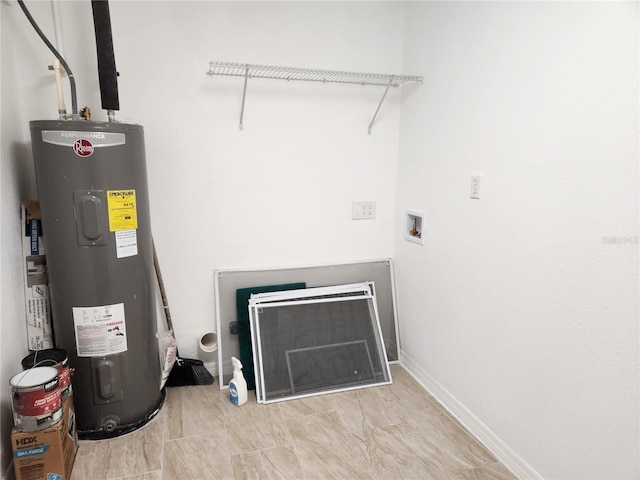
(47, 454)
(36, 289)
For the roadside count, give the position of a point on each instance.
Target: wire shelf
(308, 74)
(248, 70)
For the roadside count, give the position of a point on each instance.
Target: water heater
(92, 188)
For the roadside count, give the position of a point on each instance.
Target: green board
(244, 327)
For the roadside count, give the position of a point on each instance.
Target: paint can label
(37, 402)
(36, 398)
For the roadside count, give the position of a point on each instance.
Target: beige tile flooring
(390, 432)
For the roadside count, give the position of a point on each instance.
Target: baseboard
(478, 429)
(212, 367)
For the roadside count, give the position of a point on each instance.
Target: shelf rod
(380, 104)
(244, 94)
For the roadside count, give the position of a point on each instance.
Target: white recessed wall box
(414, 226)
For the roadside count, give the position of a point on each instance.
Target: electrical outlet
(363, 210)
(475, 187)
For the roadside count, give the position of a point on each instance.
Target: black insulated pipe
(107, 72)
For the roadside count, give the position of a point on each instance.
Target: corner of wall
(471, 422)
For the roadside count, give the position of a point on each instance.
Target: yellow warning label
(122, 210)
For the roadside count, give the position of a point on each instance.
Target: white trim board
(478, 429)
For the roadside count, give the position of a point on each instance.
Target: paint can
(52, 357)
(36, 399)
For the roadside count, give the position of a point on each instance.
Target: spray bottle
(237, 385)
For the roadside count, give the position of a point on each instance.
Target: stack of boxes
(47, 454)
(36, 288)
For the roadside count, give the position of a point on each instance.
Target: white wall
(516, 305)
(520, 307)
(278, 193)
(15, 183)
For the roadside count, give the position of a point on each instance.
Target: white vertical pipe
(56, 26)
(57, 67)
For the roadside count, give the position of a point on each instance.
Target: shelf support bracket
(380, 104)
(244, 94)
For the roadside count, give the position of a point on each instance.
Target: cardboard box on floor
(36, 285)
(47, 454)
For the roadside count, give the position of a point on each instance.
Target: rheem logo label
(83, 148)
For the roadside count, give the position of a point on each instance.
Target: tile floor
(390, 432)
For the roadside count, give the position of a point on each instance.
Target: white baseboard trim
(478, 429)
(212, 367)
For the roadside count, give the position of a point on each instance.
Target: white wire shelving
(247, 71)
